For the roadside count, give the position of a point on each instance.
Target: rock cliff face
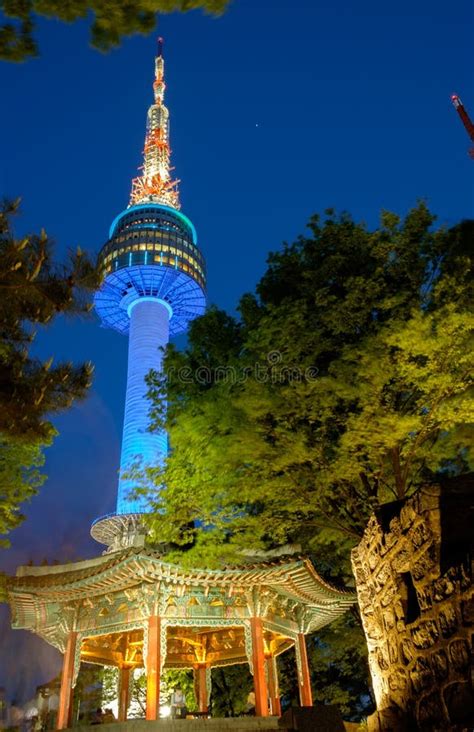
(413, 570)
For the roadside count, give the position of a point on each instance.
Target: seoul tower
(154, 286)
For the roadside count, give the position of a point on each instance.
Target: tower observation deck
(154, 286)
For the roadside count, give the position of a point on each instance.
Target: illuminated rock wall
(414, 583)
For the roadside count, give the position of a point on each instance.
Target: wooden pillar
(304, 681)
(65, 694)
(200, 685)
(258, 658)
(273, 689)
(153, 668)
(124, 693)
(70, 719)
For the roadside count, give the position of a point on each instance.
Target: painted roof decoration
(108, 600)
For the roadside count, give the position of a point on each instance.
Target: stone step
(236, 724)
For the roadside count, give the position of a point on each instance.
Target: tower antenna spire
(465, 119)
(155, 184)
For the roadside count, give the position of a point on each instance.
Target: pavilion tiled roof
(289, 575)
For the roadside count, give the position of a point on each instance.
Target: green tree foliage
(96, 688)
(20, 477)
(344, 384)
(231, 686)
(88, 692)
(112, 20)
(170, 679)
(34, 290)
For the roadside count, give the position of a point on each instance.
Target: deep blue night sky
(278, 109)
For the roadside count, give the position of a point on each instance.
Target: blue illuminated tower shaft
(148, 335)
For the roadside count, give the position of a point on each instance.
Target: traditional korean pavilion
(129, 608)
